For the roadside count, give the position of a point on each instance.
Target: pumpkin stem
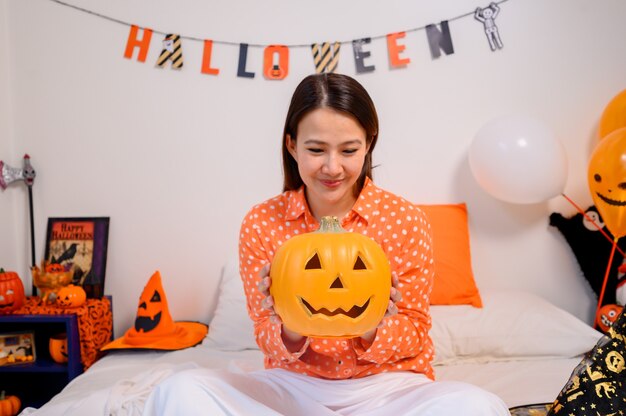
(1, 270)
(330, 224)
(2, 395)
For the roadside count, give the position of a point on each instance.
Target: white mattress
(121, 381)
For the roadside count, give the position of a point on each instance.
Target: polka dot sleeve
(253, 255)
(405, 335)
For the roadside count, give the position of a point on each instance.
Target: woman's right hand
(292, 340)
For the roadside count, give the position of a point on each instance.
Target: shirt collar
(363, 207)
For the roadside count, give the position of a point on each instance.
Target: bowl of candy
(50, 278)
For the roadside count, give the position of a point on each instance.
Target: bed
(517, 345)
(513, 343)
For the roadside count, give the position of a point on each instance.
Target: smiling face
(330, 151)
(330, 284)
(607, 181)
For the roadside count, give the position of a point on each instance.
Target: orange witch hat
(154, 327)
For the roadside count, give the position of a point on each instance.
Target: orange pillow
(454, 281)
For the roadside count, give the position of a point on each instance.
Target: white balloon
(518, 159)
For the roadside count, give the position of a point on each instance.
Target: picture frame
(17, 348)
(80, 244)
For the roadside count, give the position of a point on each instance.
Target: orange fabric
(401, 229)
(454, 281)
(95, 323)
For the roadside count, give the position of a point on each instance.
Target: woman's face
(330, 151)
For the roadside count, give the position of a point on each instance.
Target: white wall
(176, 158)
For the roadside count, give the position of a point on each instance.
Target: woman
(330, 133)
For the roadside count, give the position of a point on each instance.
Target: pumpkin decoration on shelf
(50, 278)
(58, 348)
(330, 283)
(9, 405)
(71, 296)
(11, 292)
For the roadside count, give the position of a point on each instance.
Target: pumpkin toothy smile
(611, 201)
(354, 312)
(146, 324)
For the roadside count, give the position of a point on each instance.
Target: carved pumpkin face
(11, 292)
(330, 283)
(607, 181)
(153, 317)
(71, 296)
(607, 315)
(58, 348)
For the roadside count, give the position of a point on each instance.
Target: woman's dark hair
(338, 92)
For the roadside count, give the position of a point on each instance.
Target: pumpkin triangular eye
(313, 263)
(156, 297)
(359, 264)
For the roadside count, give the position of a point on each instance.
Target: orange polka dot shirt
(402, 342)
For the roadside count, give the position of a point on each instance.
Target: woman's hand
(392, 309)
(292, 340)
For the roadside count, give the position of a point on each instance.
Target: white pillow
(511, 325)
(231, 328)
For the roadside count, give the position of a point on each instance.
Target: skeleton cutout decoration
(487, 17)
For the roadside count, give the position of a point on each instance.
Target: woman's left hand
(392, 308)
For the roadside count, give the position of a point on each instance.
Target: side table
(88, 328)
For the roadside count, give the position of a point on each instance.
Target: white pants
(280, 392)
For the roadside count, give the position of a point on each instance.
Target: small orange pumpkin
(71, 296)
(11, 292)
(58, 348)
(9, 405)
(330, 283)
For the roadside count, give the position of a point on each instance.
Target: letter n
(439, 40)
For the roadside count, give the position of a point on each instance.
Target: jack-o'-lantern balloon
(607, 181)
(330, 283)
(11, 292)
(613, 116)
(71, 296)
(58, 348)
(607, 315)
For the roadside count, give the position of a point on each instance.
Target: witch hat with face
(154, 327)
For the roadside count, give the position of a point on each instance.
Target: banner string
(121, 22)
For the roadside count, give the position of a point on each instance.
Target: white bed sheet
(120, 382)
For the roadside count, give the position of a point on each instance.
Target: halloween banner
(324, 55)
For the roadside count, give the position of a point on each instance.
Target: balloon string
(606, 277)
(608, 237)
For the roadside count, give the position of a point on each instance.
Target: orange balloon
(613, 116)
(607, 180)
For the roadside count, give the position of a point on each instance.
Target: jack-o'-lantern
(607, 315)
(71, 296)
(11, 292)
(58, 348)
(607, 181)
(330, 283)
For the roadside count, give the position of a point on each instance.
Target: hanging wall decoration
(325, 54)
(488, 16)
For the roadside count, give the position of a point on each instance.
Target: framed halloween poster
(80, 245)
